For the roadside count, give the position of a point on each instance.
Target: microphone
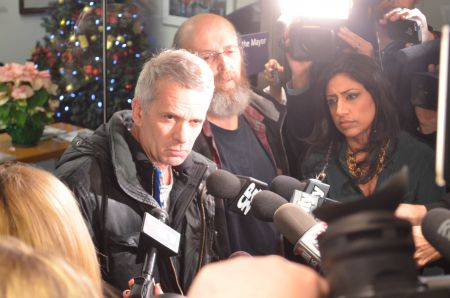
(237, 190)
(286, 185)
(317, 188)
(301, 230)
(436, 229)
(156, 236)
(308, 195)
(265, 203)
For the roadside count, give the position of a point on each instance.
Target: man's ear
(137, 111)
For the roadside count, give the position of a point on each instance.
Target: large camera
(315, 40)
(368, 252)
(407, 31)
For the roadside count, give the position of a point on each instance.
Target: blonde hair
(40, 210)
(28, 273)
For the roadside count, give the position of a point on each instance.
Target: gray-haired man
(113, 172)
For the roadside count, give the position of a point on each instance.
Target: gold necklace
(357, 171)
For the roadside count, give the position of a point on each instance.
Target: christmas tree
(72, 51)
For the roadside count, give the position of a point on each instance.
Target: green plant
(25, 96)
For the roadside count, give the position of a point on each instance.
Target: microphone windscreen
(436, 229)
(265, 203)
(161, 215)
(239, 253)
(285, 186)
(223, 184)
(292, 221)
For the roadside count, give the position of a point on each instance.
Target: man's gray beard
(224, 104)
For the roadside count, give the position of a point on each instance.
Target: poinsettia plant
(25, 96)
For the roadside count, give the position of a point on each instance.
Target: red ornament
(88, 69)
(112, 19)
(128, 86)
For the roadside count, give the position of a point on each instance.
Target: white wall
(436, 11)
(168, 31)
(18, 33)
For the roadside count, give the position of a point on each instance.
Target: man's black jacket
(102, 172)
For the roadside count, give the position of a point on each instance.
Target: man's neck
(165, 169)
(229, 123)
(166, 173)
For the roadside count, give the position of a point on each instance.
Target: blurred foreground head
(262, 277)
(29, 273)
(40, 210)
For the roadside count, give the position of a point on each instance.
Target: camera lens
(369, 254)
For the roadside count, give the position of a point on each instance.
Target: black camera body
(314, 39)
(367, 252)
(407, 31)
(424, 90)
(370, 254)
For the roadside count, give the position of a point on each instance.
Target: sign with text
(255, 46)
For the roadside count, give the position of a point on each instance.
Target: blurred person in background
(365, 33)
(242, 133)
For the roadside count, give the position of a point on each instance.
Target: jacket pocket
(122, 253)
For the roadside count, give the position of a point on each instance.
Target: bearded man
(242, 133)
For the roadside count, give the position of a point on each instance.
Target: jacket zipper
(203, 223)
(202, 192)
(285, 159)
(176, 276)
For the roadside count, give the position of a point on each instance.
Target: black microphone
(237, 190)
(309, 194)
(286, 185)
(301, 230)
(317, 188)
(265, 203)
(436, 229)
(155, 237)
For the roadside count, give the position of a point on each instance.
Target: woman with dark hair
(356, 142)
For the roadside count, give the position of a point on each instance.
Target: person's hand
(412, 213)
(157, 290)
(262, 277)
(356, 42)
(413, 14)
(425, 253)
(299, 69)
(272, 73)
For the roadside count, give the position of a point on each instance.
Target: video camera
(407, 31)
(368, 252)
(314, 40)
(313, 34)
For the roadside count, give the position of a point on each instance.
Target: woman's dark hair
(385, 126)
